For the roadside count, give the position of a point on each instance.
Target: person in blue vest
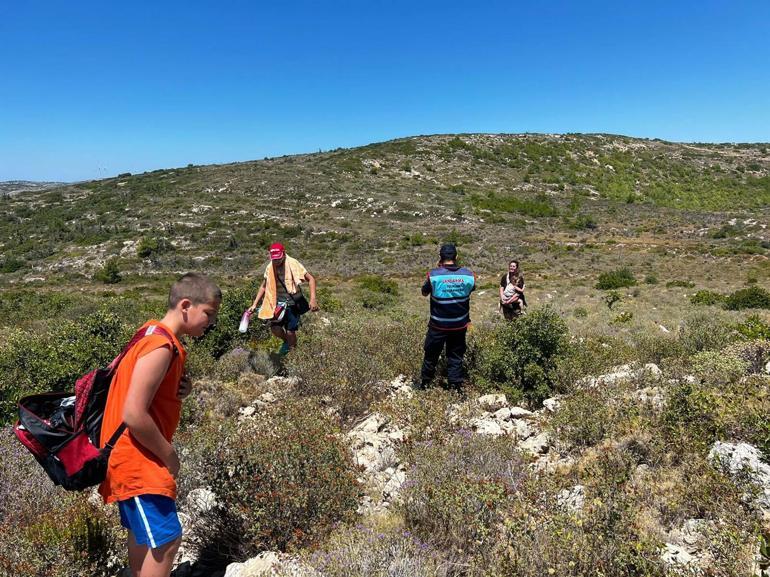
(449, 287)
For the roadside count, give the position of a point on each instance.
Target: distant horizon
(90, 89)
(280, 155)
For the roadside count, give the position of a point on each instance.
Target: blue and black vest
(450, 289)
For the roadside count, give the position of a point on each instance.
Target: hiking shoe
(284, 350)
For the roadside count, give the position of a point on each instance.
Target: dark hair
(513, 260)
(448, 251)
(194, 286)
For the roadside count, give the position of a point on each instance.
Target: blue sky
(92, 89)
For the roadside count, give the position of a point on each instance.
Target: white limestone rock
(259, 566)
(572, 499)
(743, 462)
(537, 445)
(492, 402)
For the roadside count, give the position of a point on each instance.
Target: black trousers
(435, 341)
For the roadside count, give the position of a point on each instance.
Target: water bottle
(244, 326)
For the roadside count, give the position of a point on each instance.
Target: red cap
(277, 251)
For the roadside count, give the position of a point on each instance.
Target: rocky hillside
(9, 187)
(384, 206)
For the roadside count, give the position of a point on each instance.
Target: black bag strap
(283, 284)
(115, 436)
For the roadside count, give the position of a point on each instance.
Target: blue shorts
(151, 518)
(290, 320)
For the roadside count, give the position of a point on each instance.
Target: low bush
(623, 318)
(655, 347)
(11, 264)
(611, 298)
(754, 328)
(47, 531)
(590, 414)
(520, 358)
(615, 279)
(55, 359)
(705, 330)
(586, 356)
(376, 292)
(457, 491)
(350, 360)
(109, 273)
(707, 297)
(703, 412)
(752, 297)
(387, 552)
(280, 481)
(150, 246)
(430, 415)
(718, 367)
(754, 353)
(602, 538)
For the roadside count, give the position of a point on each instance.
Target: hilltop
(384, 206)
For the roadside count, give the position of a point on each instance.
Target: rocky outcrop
(743, 463)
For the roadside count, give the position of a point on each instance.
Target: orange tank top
(132, 469)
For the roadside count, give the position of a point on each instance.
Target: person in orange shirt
(146, 395)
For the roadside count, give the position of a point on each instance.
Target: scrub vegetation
(634, 252)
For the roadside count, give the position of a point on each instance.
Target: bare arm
(311, 281)
(148, 374)
(260, 294)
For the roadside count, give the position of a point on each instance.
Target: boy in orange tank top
(146, 394)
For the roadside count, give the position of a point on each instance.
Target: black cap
(448, 251)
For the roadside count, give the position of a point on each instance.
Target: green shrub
(582, 222)
(388, 552)
(11, 264)
(623, 318)
(150, 246)
(718, 367)
(755, 354)
(603, 538)
(109, 273)
(376, 292)
(580, 312)
(280, 481)
(752, 297)
(46, 531)
(703, 412)
(590, 355)
(705, 330)
(54, 360)
(327, 301)
(539, 206)
(651, 278)
(520, 358)
(457, 491)
(707, 297)
(350, 360)
(616, 279)
(611, 298)
(654, 347)
(754, 328)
